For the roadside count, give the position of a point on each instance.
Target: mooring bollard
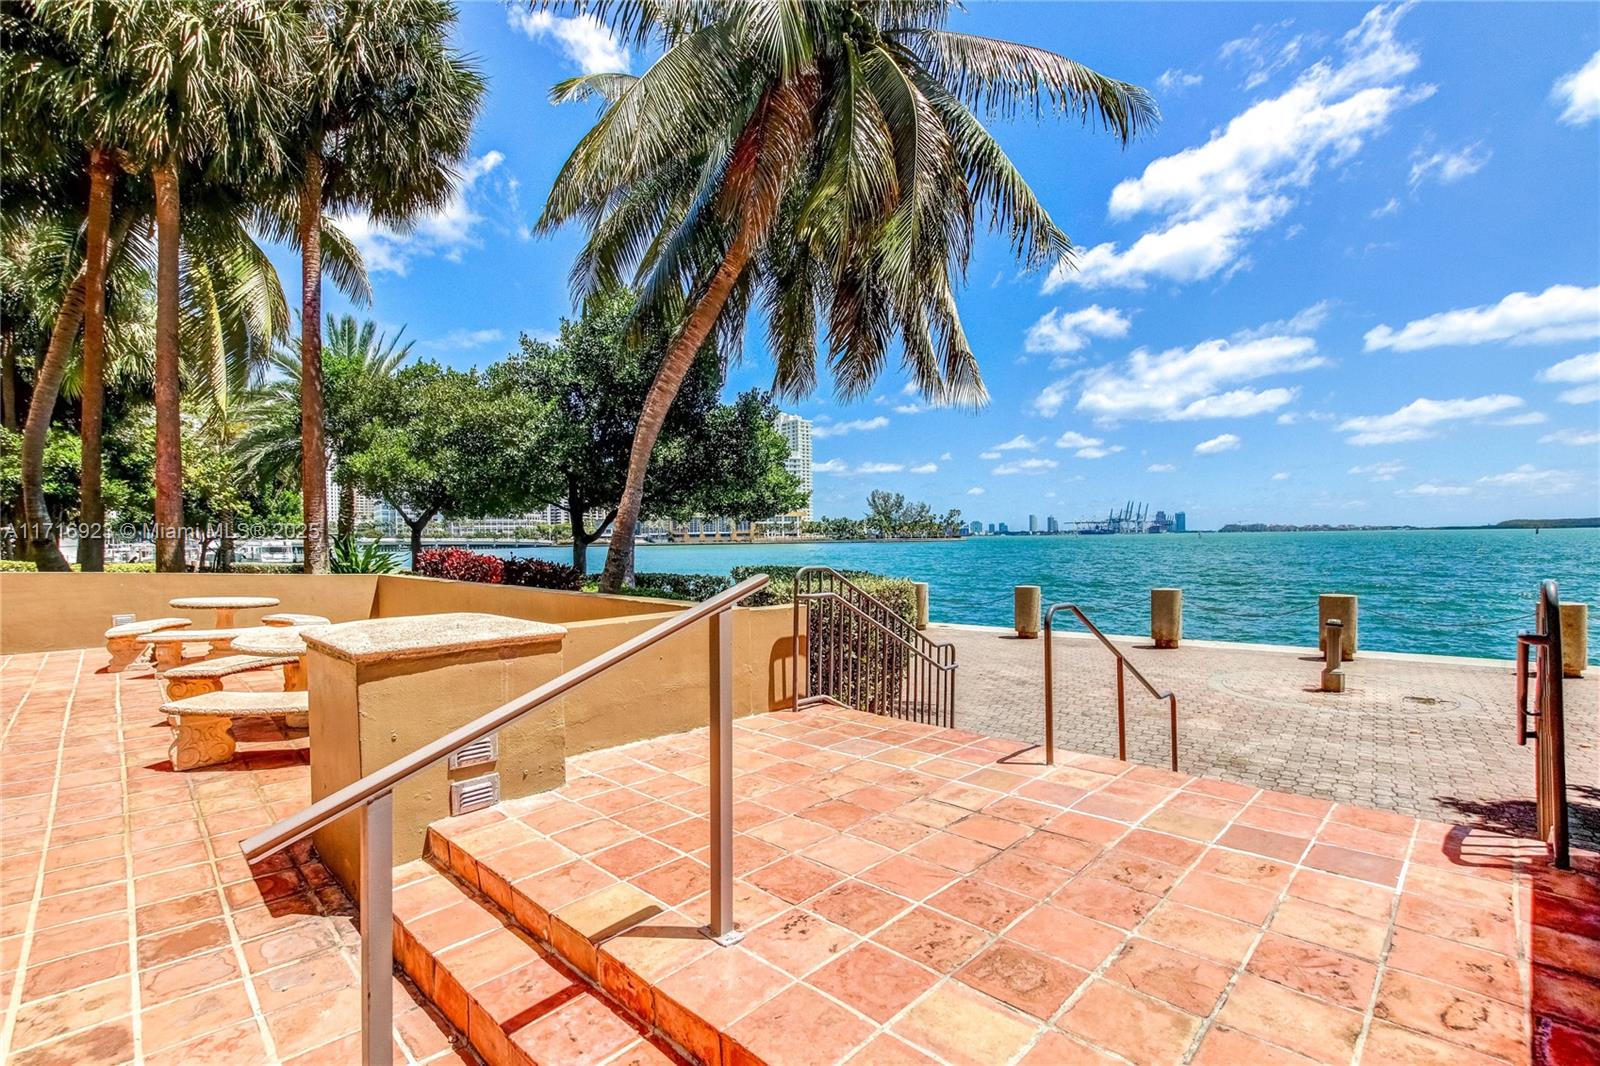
(1025, 601)
(1166, 617)
(1333, 668)
(1343, 607)
(1574, 639)
(921, 588)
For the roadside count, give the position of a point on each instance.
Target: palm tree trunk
(169, 427)
(347, 512)
(313, 456)
(680, 357)
(36, 536)
(91, 503)
(8, 379)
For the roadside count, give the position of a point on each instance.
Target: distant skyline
(1353, 276)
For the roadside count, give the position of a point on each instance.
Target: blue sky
(1353, 276)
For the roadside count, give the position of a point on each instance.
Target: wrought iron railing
(1549, 721)
(372, 800)
(860, 653)
(1123, 668)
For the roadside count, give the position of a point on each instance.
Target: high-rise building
(975, 528)
(1051, 525)
(797, 434)
(1033, 523)
(1180, 523)
(1004, 528)
(991, 527)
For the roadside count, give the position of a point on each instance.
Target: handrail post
(1049, 691)
(377, 930)
(721, 927)
(1122, 709)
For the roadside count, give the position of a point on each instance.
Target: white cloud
(1420, 419)
(1560, 313)
(976, 490)
(462, 340)
(1074, 439)
(1051, 397)
(1582, 371)
(1282, 475)
(1390, 206)
(1160, 468)
(1264, 51)
(1526, 418)
(1384, 471)
(1448, 167)
(1025, 466)
(1579, 93)
(1434, 488)
(831, 466)
(880, 468)
(447, 231)
(1097, 452)
(1304, 321)
(1223, 442)
(1530, 479)
(925, 468)
(583, 39)
(946, 457)
(1069, 331)
(1019, 443)
(856, 425)
(1578, 438)
(991, 455)
(1212, 199)
(1174, 80)
(1186, 383)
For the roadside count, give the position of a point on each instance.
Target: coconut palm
(356, 361)
(825, 158)
(381, 113)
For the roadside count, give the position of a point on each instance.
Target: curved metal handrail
(1549, 722)
(280, 835)
(1123, 664)
(912, 648)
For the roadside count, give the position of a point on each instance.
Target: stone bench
(167, 647)
(289, 618)
(122, 642)
(203, 734)
(198, 678)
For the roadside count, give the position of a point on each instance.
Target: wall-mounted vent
(474, 794)
(122, 619)
(482, 750)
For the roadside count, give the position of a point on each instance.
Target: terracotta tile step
(517, 1003)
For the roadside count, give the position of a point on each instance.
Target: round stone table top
(271, 640)
(225, 603)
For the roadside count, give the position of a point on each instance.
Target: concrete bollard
(1574, 639)
(1166, 617)
(921, 588)
(1333, 663)
(1025, 600)
(1343, 607)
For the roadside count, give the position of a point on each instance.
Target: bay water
(1444, 592)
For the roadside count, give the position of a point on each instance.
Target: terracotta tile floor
(913, 894)
(130, 927)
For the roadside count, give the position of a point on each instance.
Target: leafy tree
(60, 467)
(449, 442)
(712, 458)
(823, 158)
(381, 113)
(886, 512)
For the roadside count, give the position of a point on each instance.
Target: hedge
(21, 566)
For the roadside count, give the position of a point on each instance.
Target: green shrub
(693, 587)
(257, 568)
(539, 574)
(898, 593)
(22, 566)
(16, 566)
(350, 556)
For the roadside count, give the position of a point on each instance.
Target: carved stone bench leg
(201, 740)
(124, 651)
(294, 676)
(167, 656)
(183, 688)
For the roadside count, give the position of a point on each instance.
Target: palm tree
(356, 361)
(382, 113)
(823, 157)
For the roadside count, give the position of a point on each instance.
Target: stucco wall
(54, 612)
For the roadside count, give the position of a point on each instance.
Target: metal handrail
(1549, 723)
(373, 797)
(920, 688)
(1123, 665)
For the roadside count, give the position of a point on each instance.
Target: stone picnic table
(225, 606)
(278, 641)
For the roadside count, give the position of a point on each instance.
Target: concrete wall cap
(426, 635)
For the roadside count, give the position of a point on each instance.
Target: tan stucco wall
(364, 717)
(53, 612)
(405, 594)
(667, 688)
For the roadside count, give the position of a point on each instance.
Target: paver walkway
(130, 926)
(917, 895)
(1426, 736)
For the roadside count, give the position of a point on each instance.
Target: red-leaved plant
(458, 564)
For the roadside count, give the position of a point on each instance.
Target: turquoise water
(1448, 592)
